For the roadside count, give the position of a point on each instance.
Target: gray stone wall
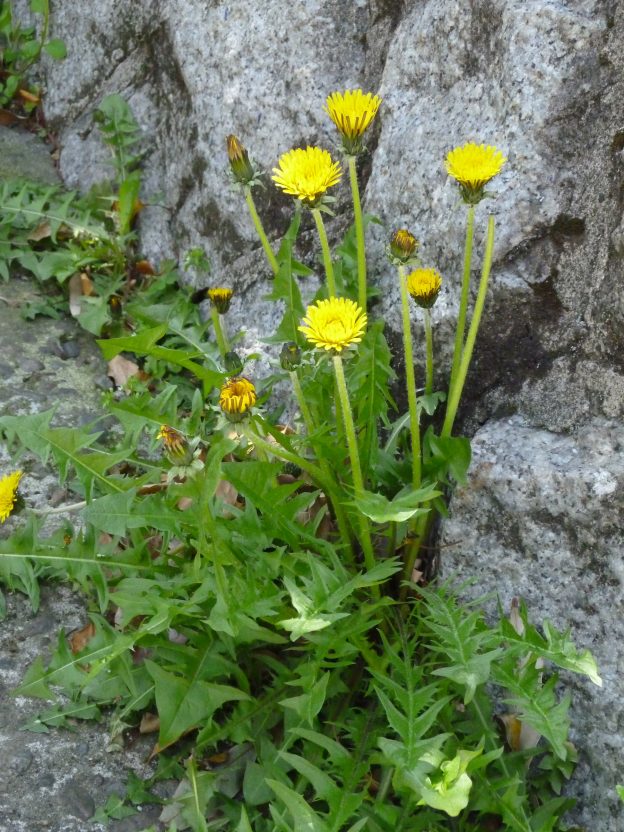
(543, 79)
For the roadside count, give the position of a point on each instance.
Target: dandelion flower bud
(242, 168)
(175, 445)
(403, 247)
(220, 298)
(290, 356)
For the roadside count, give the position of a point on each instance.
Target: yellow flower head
(472, 166)
(176, 445)
(238, 396)
(8, 491)
(403, 247)
(241, 167)
(306, 174)
(424, 286)
(334, 324)
(352, 113)
(220, 299)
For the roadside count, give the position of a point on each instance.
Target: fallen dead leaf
(144, 266)
(75, 293)
(519, 735)
(120, 369)
(86, 284)
(79, 639)
(41, 232)
(28, 96)
(184, 503)
(149, 723)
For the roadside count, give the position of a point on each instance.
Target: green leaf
(447, 454)
(370, 378)
(553, 646)
(56, 49)
(323, 785)
(308, 705)
(304, 817)
(39, 7)
(398, 510)
(184, 704)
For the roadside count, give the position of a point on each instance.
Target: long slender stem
(463, 302)
(429, 342)
(261, 232)
(341, 518)
(219, 333)
(456, 390)
(410, 380)
(356, 470)
(359, 234)
(327, 260)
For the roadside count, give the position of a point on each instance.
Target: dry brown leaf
(7, 118)
(519, 735)
(28, 96)
(41, 232)
(86, 284)
(79, 639)
(75, 293)
(120, 369)
(144, 266)
(149, 723)
(184, 503)
(229, 495)
(152, 488)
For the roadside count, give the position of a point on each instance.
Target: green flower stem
(457, 388)
(359, 234)
(261, 232)
(463, 303)
(341, 518)
(327, 260)
(410, 380)
(429, 342)
(358, 482)
(421, 532)
(222, 342)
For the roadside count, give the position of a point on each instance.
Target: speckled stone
(542, 518)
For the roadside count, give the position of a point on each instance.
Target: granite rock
(542, 518)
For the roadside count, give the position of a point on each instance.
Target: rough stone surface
(542, 79)
(53, 782)
(542, 518)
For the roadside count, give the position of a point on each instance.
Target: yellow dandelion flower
(237, 397)
(306, 174)
(472, 166)
(220, 298)
(352, 112)
(424, 286)
(334, 324)
(8, 491)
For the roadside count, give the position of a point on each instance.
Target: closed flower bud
(403, 246)
(242, 168)
(220, 299)
(233, 363)
(115, 307)
(290, 356)
(175, 445)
